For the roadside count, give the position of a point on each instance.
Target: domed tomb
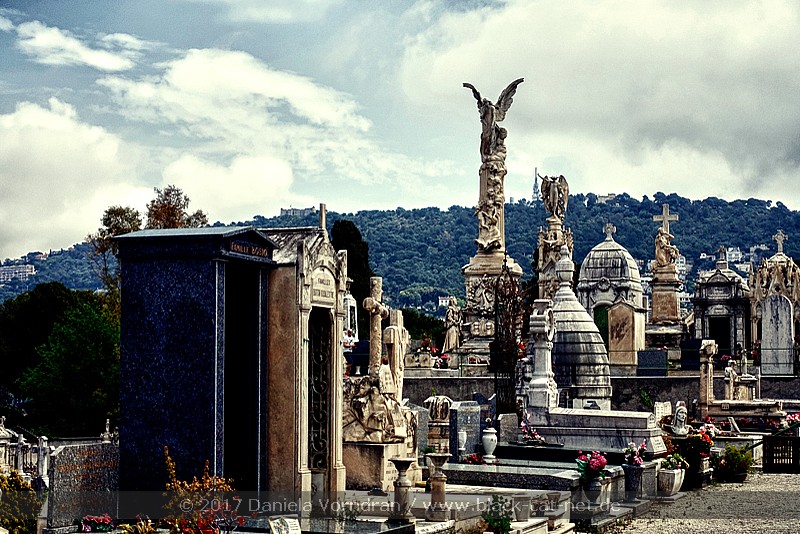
(610, 289)
(580, 360)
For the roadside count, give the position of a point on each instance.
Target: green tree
(25, 323)
(346, 236)
(116, 221)
(75, 385)
(168, 210)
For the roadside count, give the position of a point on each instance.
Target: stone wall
(417, 389)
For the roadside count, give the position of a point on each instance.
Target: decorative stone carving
(438, 408)
(480, 295)
(551, 240)
(493, 168)
(666, 253)
(370, 415)
(555, 195)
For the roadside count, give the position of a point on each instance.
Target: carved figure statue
(371, 416)
(731, 380)
(679, 426)
(665, 251)
(555, 195)
(452, 324)
(492, 135)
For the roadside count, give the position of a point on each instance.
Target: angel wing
(564, 187)
(475, 93)
(505, 99)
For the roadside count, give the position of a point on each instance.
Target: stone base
(638, 508)
(618, 369)
(368, 465)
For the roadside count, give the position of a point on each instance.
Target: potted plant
(671, 474)
(733, 464)
(591, 469)
(497, 515)
(632, 466)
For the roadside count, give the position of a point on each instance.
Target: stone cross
(779, 238)
(665, 217)
(609, 229)
(377, 311)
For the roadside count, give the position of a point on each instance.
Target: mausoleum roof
(287, 240)
(580, 359)
(723, 275)
(611, 261)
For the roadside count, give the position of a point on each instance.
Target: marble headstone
(464, 416)
(777, 339)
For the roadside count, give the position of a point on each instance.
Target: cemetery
(566, 412)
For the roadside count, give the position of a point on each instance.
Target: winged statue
(491, 113)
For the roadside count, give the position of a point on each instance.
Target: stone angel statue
(555, 195)
(492, 135)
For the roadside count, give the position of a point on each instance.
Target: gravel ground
(762, 504)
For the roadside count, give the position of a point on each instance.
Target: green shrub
(498, 515)
(732, 461)
(19, 506)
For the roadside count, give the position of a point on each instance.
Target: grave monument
(555, 195)
(377, 425)
(775, 310)
(231, 353)
(610, 289)
(537, 395)
(666, 327)
(484, 267)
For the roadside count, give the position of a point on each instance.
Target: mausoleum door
(320, 356)
(719, 329)
(601, 321)
(245, 418)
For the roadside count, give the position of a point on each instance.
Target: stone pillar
(43, 459)
(536, 386)
(439, 422)
(401, 507)
(437, 511)
(665, 304)
(377, 312)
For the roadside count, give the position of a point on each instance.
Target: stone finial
(323, 216)
(609, 229)
(564, 266)
(779, 238)
(2, 422)
(665, 217)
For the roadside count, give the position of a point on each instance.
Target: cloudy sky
(254, 105)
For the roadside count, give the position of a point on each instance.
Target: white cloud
(250, 185)
(54, 46)
(273, 11)
(229, 105)
(657, 91)
(5, 24)
(57, 176)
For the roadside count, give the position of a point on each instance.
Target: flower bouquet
(97, 523)
(634, 455)
(529, 434)
(591, 467)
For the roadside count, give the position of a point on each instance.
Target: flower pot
(592, 490)
(489, 441)
(670, 481)
(522, 507)
(633, 481)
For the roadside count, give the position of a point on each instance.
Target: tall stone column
(486, 265)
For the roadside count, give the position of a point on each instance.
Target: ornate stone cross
(609, 229)
(377, 311)
(779, 238)
(665, 217)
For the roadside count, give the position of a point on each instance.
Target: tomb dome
(580, 359)
(609, 274)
